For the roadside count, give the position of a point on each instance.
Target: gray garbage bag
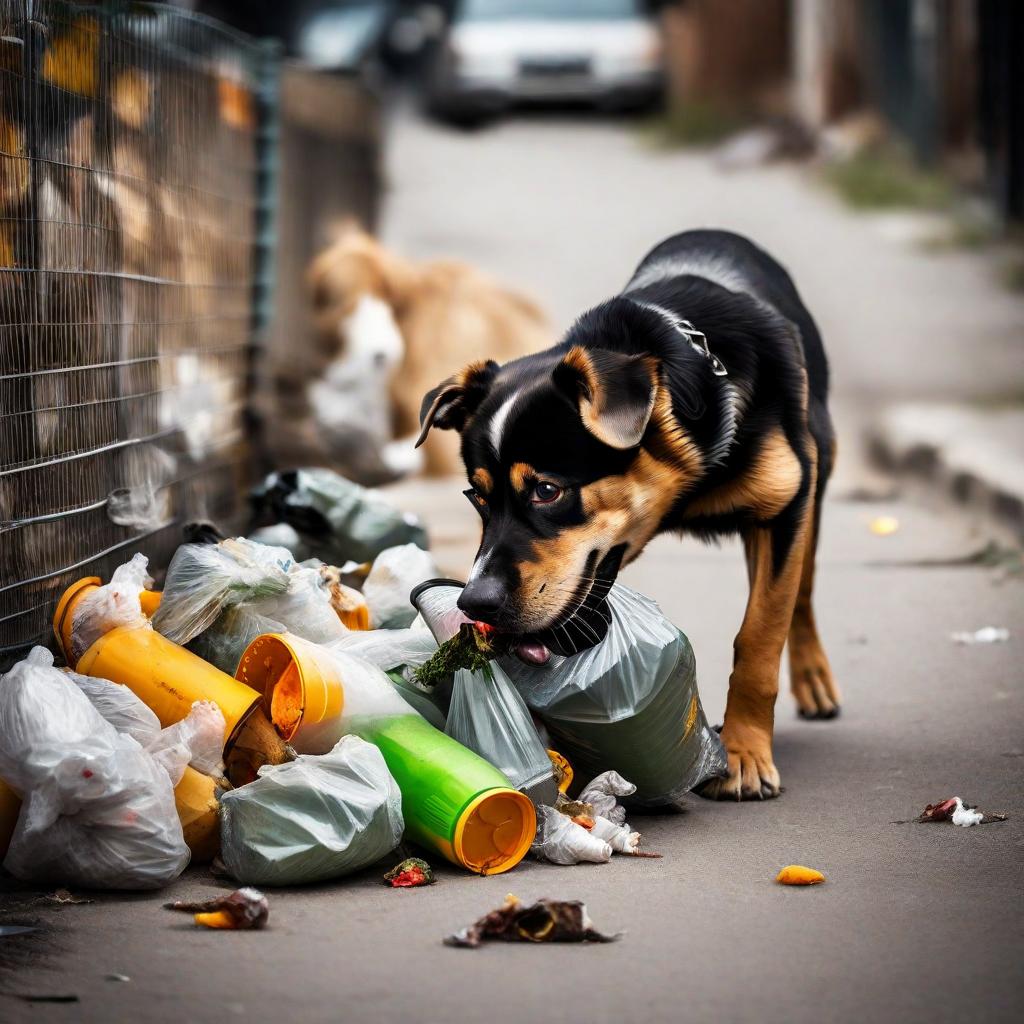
(629, 704)
(314, 818)
(337, 519)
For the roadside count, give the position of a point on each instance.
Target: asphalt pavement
(915, 922)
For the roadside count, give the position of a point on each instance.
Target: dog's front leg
(754, 683)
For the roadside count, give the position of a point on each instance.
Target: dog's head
(566, 454)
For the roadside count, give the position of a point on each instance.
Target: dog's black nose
(482, 599)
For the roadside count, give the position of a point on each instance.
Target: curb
(971, 454)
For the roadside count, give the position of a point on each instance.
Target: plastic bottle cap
(62, 616)
(495, 831)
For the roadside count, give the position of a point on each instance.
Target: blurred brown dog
(389, 327)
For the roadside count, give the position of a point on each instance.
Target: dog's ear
(453, 401)
(615, 392)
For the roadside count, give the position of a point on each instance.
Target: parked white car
(497, 53)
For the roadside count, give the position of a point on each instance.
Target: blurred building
(939, 74)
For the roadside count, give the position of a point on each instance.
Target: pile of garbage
(268, 707)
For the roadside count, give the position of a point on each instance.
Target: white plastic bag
(97, 810)
(196, 740)
(120, 707)
(114, 604)
(389, 649)
(489, 717)
(315, 818)
(561, 841)
(394, 574)
(629, 703)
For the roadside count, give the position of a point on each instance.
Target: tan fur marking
(625, 509)
(754, 683)
(482, 480)
(766, 488)
(670, 441)
(519, 474)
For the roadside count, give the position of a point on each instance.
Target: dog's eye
(544, 493)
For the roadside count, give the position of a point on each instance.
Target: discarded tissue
(318, 817)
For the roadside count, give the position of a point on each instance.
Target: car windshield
(554, 10)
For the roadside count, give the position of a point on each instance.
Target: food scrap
(471, 648)
(543, 921)
(959, 813)
(797, 874)
(240, 910)
(410, 873)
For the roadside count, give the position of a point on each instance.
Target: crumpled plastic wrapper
(245, 909)
(560, 840)
(959, 813)
(337, 519)
(601, 793)
(543, 921)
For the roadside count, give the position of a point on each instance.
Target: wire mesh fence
(130, 186)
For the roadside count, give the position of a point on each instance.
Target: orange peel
(797, 874)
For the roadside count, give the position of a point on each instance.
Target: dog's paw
(812, 683)
(752, 773)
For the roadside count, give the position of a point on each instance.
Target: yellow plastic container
(150, 601)
(195, 799)
(10, 806)
(453, 801)
(563, 770)
(167, 678)
(306, 697)
(63, 615)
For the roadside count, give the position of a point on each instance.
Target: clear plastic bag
(629, 704)
(315, 818)
(394, 574)
(114, 604)
(338, 520)
(488, 716)
(219, 597)
(97, 809)
(205, 579)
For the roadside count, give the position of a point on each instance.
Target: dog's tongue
(532, 652)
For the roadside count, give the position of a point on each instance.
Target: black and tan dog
(694, 401)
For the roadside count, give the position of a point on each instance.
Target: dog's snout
(482, 599)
